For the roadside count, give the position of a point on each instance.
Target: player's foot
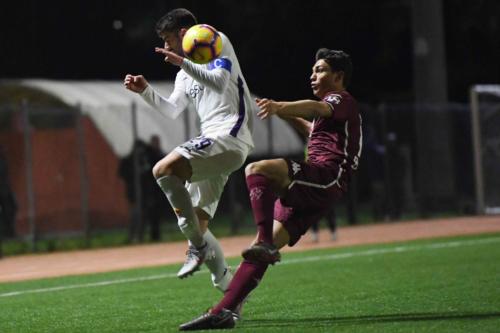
(262, 252)
(195, 257)
(209, 321)
(314, 237)
(239, 309)
(333, 235)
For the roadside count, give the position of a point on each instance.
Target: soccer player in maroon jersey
(287, 196)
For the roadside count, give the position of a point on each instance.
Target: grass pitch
(439, 285)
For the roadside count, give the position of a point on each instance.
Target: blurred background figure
(130, 169)
(146, 208)
(374, 153)
(154, 200)
(396, 173)
(331, 220)
(8, 206)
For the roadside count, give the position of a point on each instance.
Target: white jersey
(218, 92)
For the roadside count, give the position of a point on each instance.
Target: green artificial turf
(439, 285)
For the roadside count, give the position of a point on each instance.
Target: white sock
(221, 275)
(181, 203)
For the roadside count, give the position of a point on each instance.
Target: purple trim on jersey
(241, 111)
(220, 63)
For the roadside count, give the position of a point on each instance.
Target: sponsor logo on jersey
(354, 166)
(195, 90)
(295, 167)
(220, 63)
(334, 98)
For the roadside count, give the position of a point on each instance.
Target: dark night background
(275, 42)
(414, 64)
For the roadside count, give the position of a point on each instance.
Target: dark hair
(175, 20)
(338, 61)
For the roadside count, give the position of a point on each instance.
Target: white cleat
(195, 258)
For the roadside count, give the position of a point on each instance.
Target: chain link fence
(64, 180)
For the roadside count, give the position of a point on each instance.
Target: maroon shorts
(311, 194)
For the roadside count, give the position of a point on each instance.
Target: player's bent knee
(249, 169)
(173, 164)
(255, 167)
(162, 169)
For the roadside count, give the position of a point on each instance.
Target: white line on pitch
(90, 285)
(397, 249)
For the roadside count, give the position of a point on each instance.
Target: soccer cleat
(239, 309)
(262, 252)
(209, 321)
(195, 258)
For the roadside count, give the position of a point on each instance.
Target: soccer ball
(202, 43)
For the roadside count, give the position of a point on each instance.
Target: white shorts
(212, 161)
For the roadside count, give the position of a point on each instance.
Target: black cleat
(209, 321)
(239, 309)
(262, 252)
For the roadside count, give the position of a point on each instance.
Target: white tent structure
(110, 106)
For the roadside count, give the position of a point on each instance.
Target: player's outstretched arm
(217, 78)
(170, 57)
(303, 109)
(171, 107)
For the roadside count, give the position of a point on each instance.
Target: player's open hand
(170, 57)
(267, 107)
(135, 83)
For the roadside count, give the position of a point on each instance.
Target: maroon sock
(246, 278)
(262, 198)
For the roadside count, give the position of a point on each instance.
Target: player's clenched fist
(135, 83)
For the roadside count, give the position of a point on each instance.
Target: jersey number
(198, 143)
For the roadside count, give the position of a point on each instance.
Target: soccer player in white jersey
(193, 175)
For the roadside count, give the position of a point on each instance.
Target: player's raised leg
(171, 173)
(265, 180)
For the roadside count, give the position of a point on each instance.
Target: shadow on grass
(384, 318)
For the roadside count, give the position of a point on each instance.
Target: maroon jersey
(335, 142)
(333, 152)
